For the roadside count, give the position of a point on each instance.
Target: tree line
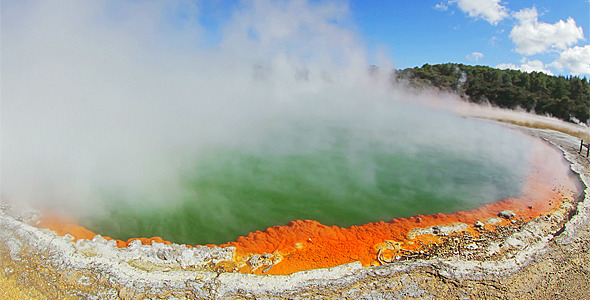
(566, 98)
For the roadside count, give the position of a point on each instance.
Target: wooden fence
(582, 145)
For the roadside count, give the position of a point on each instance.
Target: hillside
(566, 98)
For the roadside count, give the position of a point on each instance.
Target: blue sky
(418, 32)
(543, 35)
(412, 33)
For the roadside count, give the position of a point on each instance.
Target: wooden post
(582, 145)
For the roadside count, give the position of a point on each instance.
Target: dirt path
(564, 271)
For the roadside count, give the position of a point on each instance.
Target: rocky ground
(548, 257)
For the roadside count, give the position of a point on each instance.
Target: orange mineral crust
(63, 223)
(303, 245)
(308, 244)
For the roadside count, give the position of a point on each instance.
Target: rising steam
(104, 95)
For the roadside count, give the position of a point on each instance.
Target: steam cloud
(105, 94)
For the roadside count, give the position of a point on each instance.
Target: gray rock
(436, 229)
(255, 261)
(506, 214)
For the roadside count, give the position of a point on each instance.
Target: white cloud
(532, 37)
(505, 66)
(442, 6)
(476, 56)
(534, 66)
(576, 59)
(493, 40)
(489, 10)
(527, 66)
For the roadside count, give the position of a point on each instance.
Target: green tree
(536, 92)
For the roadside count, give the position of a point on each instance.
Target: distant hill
(566, 98)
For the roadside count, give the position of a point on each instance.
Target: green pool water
(344, 179)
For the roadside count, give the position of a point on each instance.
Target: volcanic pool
(230, 193)
(343, 199)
